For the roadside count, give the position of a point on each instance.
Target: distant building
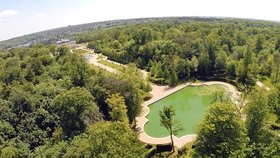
(23, 45)
(65, 42)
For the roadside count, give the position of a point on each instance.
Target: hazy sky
(20, 17)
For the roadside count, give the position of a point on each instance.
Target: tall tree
(52, 149)
(203, 63)
(194, 65)
(79, 70)
(140, 62)
(134, 90)
(212, 53)
(257, 113)
(62, 51)
(277, 44)
(107, 139)
(221, 62)
(182, 68)
(76, 107)
(168, 121)
(15, 148)
(173, 79)
(118, 108)
(274, 101)
(150, 64)
(221, 132)
(10, 70)
(245, 76)
(276, 66)
(231, 69)
(259, 44)
(264, 142)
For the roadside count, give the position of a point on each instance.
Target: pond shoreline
(160, 92)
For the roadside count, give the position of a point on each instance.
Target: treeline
(175, 51)
(53, 35)
(54, 104)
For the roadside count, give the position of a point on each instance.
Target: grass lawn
(267, 82)
(112, 65)
(79, 51)
(190, 104)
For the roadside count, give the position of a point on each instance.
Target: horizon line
(141, 18)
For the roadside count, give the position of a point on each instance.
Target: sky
(21, 17)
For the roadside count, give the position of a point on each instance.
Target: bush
(147, 96)
(157, 80)
(164, 148)
(152, 150)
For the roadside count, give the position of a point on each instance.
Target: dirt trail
(260, 84)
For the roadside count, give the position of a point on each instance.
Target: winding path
(93, 59)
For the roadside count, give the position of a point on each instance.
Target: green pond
(190, 104)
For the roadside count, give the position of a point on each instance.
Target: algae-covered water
(190, 104)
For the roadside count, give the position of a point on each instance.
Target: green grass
(112, 65)
(99, 57)
(79, 51)
(266, 81)
(190, 104)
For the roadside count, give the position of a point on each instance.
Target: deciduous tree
(203, 63)
(71, 107)
(173, 79)
(169, 122)
(107, 139)
(256, 116)
(221, 133)
(117, 105)
(276, 67)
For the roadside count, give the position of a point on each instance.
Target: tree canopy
(168, 121)
(221, 133)
(230, 49)
(49, 96)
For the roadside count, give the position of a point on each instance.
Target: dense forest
(54, 104)
(237, 50)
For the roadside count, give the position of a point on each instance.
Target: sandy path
(94, 60)
(160, 92)
(260, 84)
